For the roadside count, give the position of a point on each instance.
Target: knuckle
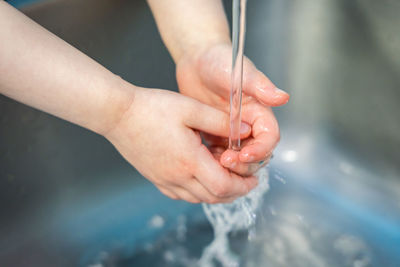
(187, 164)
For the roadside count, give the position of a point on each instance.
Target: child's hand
(206, 75)
(158, 135)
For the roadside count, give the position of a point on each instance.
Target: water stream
(238, 38)
(241, 214)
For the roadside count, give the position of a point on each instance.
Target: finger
(258, 149)
(247, 169)
(213, 121)
(219, 181)
(168, 193)
(230, 159)
(252, 168)
(265, 132)
(198, 190)
(216, 75)
(257, 85)
(183, 194)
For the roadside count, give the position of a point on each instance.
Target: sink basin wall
(66, 195)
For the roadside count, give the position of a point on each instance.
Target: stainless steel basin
(68, 199)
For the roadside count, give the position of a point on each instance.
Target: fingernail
(244, 128)
(279, 91)
(279, 94)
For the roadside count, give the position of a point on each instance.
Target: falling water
(241, 214)
(238, 37)
(226, 218)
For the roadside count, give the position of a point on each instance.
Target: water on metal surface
(68, 199)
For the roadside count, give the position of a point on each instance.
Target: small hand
(158, 136)
(205, 75)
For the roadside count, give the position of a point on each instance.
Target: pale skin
(196, 33)
(41, 70)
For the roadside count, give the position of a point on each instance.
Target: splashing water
(235, 216)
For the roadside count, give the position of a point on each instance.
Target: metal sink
(68, 199)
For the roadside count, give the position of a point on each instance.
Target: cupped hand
(206, 75)
(159, 136)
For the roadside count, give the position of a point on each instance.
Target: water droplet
(156, 221)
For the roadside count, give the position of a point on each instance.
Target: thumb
(257, 85)
(216, 75)
(213, 121)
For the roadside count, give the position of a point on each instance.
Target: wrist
(193, 50)
(119, 101)
(187, 26)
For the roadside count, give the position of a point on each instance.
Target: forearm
(188, 26)
(41, 70)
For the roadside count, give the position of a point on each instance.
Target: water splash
(227, 218)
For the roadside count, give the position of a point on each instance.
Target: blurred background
(67, 198)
